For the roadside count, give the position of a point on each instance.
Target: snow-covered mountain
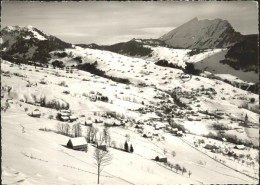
(202, 34)
(22, 44)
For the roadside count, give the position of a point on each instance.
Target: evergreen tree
(126, 147)
(246, 120)
(131, 148)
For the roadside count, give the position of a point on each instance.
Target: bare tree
(173, 153)
(102, 159)
(106, 134)
(94, 134)
(89, 133)
(164, 151)
(76, 130)
(66, 129)
(189, 173)
(127, 137)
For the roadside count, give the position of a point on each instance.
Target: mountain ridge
(202, 34)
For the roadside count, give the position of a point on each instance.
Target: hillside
(25, 44)
(130, 48)
(204, 125)
(244, 54)
(38, 136)
(202, 34)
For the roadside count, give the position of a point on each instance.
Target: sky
(113, 22)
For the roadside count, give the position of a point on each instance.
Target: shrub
(58, 63)
(189, 69)
(78, 59)
(165, 63)
(60, 54)
(252, 100)
(63, 83)
(221, 126)
(131, 149)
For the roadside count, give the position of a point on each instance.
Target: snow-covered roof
(65, 111)
(73, 117)
(64, 117)
(78, 141)
(64, 114)
(240, 146)
(36, 112)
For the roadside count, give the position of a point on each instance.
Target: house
(161, 159)
(179, 133)
(64, 115)
(78, 143)
(88, 123)
(148, 134)
(98, 120)
(174, 131)
(36, 113)
(73, 118)
(64, 118)
(210, 147)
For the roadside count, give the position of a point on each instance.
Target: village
(137, 118)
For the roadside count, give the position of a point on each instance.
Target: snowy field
(33, 156)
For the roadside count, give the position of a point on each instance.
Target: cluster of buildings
(66, 115)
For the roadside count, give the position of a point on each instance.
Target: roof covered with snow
(78, 141)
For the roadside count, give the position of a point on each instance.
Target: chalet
(179, 133)
(148, 134)
(64, 115)
(161, 159)
(65, 112)
(72, 118)
(220, 113)
(64, 118)
(78, 143)
(88, 123)
(211, 147)
(36, 113)
(98, 120)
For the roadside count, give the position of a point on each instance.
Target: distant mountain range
(134, 47)
(25, 44)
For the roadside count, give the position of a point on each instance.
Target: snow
(34, 147)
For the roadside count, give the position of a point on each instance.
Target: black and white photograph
(130, 92)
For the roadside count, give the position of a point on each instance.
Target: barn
(72, 118)
(88, 123)
(161, 159)
(36, 113)
(78, 143)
